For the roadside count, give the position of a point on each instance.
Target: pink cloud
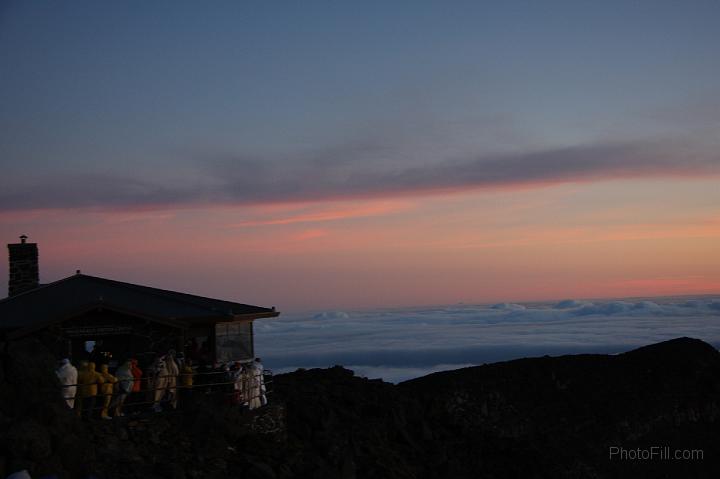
(310, 234)
(330, 213)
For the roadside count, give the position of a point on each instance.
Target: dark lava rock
(559, 417)
(553, 417)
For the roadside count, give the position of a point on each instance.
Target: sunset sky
(331, 155)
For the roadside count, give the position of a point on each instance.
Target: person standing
(68, 376)
(136, 385)
(107, 389)
(88, 382)
(260, 375)
(173, 372)
(125, 383)
(186, 381)
(256, 383)
(137, 375)
(236, 375)
(159, 382)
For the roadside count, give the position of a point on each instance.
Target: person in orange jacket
(88, 382)
(135, 387)
(137, 374)
(106, 388)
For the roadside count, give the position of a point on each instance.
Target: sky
(328, 155)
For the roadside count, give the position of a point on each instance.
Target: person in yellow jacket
(107, 390)
(186, 381)
(186, 374)
(88, 382)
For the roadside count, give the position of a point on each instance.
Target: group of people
(85, 389)
(248, 382)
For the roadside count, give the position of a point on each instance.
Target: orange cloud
(331, 214)
(594, 234)
(664, 285)
(310, 234)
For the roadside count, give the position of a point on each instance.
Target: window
(234, 341)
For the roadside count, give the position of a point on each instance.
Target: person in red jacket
(137, 383)
(137, 374)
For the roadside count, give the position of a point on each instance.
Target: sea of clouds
(400, 344)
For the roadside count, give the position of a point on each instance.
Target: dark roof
(80, 293)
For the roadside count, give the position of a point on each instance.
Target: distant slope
(563, 414)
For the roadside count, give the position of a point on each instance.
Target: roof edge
(137, 286)
(38, 288)
(187, 300)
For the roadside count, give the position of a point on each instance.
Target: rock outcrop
(543, 417)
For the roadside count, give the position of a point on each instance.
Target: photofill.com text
(655, 453)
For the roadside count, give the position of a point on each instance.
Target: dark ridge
(554, 417)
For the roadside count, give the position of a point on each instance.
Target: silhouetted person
(96, 355)
(88, 382)
(186, 381)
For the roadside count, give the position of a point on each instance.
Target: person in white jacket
(173, 371)
(260, 375)
(125, 383)
(160, 382)
(257, 396)
(68, 375)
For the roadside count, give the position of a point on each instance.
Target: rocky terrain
(543, 417)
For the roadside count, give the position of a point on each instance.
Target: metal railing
(228, 388)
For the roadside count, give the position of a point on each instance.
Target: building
(82, 315)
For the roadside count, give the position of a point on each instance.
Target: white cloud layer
(399, 344)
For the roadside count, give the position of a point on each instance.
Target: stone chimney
(24, 274)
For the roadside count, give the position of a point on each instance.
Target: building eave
(98, 306)
(231, 318)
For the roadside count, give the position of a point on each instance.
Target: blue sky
(107, 86)
(321, 130)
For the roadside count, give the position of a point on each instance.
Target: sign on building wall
(107, 330)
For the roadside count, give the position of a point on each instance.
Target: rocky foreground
(553, 417)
